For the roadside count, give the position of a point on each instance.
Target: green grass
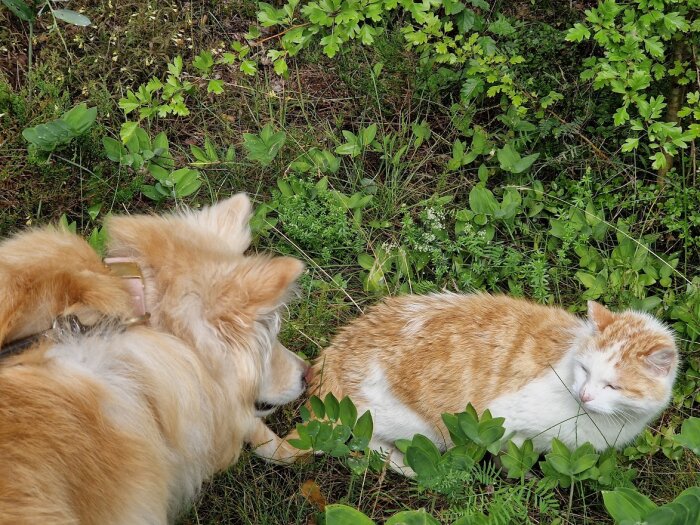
(129, 42)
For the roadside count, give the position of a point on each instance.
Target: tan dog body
(122, 425)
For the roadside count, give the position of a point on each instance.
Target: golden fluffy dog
(120, 422)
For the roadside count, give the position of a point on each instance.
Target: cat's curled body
(548, 372)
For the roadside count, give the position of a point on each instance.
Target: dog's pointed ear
(157, 239)
(142, 236)
(229, 219)
(269, 284)
(259, 286)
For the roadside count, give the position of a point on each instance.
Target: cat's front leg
(394, 457)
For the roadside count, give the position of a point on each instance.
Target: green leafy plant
(160, 98)
(518, 460)
(343, 515)
(28, 13)
(208, 155)
(472, 437)
(239, 54)
(51, 135)
(138, 152)
(356, 144)
(264, 147)
(563, 467)
(332, 427)
(690, 435)
(645, 49)
(317, 219)
(628, 507)
(687, 388)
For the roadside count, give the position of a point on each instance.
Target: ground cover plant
(541, 149)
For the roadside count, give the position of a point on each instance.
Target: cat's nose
(309, 374)
(585, 395)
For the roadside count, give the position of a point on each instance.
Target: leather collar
(124, 267)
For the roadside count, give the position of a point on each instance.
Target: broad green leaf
(626, 504)
(72, 124)
(337, 514)
(71, 17)
(114, 149)
(421, 462)
(280, 66)
(476, 518)
(20, 9)
(347, 412)
(263, 148)
(128, 130)
(482, 201)
(364, 426)
(689, 436)
(249, 67)
(215, 86)
(501, 26)
(578, 33)
(332, 406)
(317, 407)
(94, 210)
(412, 517)
(175, 67)
(427, 446)
(621, 116)
(203, 62)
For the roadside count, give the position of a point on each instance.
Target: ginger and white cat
(549, 373)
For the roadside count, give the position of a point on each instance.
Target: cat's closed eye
(614, 387)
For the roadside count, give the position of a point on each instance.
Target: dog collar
(129, 270)
(124, 267)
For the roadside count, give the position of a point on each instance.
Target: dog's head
(202, 288)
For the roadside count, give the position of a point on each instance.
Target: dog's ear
(272, 282)
(144, 236)
(258, 286)
(228, 219)
(158, 239)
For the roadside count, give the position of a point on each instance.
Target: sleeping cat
(547, 372)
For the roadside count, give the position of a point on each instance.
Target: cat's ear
(600, 316)
(661, 361)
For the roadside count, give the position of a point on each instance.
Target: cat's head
(628, 364)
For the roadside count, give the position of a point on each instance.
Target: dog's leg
(273, 448)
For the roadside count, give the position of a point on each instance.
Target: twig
(74, 164)
(598, 152)
(257, 43)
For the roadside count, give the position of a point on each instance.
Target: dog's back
(62, 460)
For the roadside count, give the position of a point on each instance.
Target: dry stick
(596, 150)
(674, 104)
(316, 265)
(278, 35)
(692, 142)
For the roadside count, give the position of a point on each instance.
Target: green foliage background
(542, 149)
